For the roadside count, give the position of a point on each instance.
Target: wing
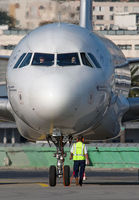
(5, 108)
(133, 111)
(134, 67)
(133, 60)
(3, 67)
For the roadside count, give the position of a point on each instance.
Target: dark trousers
(79, 164)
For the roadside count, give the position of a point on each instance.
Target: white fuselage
(69, 98)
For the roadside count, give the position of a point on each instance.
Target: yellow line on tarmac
(43, 185)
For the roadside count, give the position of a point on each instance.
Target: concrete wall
(42, 157)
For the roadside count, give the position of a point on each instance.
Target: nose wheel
(52, 175)
(59, 170)
(66, 175)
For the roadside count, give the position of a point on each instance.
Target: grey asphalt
(100, 184)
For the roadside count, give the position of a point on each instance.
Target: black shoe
(80, 182)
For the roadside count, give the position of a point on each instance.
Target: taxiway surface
(33, 185)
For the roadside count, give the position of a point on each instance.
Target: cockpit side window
(68, 59)
(94, 60)
(19, 60)
(43, 59)
(26, 60)
(85, 60)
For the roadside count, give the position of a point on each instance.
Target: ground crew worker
(80, 156)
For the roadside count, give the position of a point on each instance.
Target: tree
(5, 19)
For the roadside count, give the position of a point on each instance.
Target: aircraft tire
(52, 175)
(66, 175)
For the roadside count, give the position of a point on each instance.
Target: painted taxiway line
(43, 184)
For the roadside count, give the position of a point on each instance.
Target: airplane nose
(53, 102)
(55, 99)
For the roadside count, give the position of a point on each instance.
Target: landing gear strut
(59, 170)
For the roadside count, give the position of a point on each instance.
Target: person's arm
(86, 156)
(71, 153)
(87, 159)
(71, 156)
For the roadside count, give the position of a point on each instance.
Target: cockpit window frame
(22, 60)
(18, 62)
(20, 65)
(43, 54)
(94, 60)
(69, 63)
(87, 58)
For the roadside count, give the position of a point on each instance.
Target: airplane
(66, 80)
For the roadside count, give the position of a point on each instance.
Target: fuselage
(67, 96)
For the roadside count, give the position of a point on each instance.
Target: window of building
(17, 5)
(85, 60)
(68, 59)
(126, 9)
(136, 9)
(125, 46)
(94, 17)
(41, 7)
(100, 25)
(27, 14)
(137, 47)
(17, 22)
(8, 47)
(137, 19)
(111, 8)
(97, 8)
(111, 17)
(78, 8)
(100, 17)
(93, 8)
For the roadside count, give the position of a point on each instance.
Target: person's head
(73, 60)
(80, 139)
(41, 59)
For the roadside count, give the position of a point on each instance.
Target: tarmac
(119, 184)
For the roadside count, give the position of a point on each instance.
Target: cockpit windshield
(68, 59)
(43, 59)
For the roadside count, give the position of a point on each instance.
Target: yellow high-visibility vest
(78, 151)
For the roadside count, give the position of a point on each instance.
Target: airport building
(114, 15)
(106, 15)
(127, 40)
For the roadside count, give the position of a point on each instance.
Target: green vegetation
(5, 19)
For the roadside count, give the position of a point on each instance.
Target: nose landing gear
(59, 170)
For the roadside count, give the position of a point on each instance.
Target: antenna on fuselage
(58, 13)
(59, 17)
(86, 14)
